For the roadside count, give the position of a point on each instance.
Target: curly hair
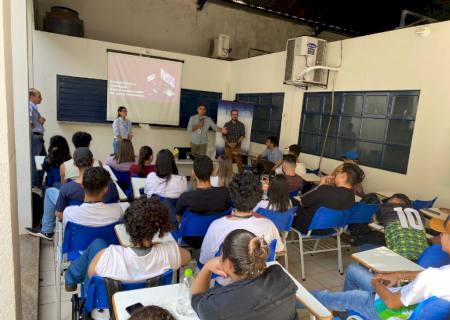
(151, 313)
(246, 191)
(81, 139)
(144, 218)
(58, 151)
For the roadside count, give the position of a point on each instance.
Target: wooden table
(384, 260)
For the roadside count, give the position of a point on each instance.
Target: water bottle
(184, 294)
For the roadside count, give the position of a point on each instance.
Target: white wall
(176, 25)
(396, 60)
(57, 54)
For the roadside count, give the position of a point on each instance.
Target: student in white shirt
(381, 297)
(68, 170)
(143, 260)
(93, 212)
(223, 173)
(165, 182)
(246, 191)
(278, 194)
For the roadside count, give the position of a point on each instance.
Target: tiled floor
(321, 273)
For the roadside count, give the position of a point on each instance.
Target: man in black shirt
(233, 138)
(206, 199)
(337, 196)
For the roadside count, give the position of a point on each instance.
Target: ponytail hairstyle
(144, 155)
(247, 253)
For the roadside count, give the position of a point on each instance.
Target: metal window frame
(323, 114)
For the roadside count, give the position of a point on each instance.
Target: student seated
(205, 199)
(300, 168)
(352, 158)
(144, 165)
(338, 196)
(94, 212)
(404, 230)
(144, 219)
(380, 296)
(58, 153)
(272, 155)
(278, 194)
(223, 174)
(68, 170)
(256, 292)
(246, 191)
(124, 159)
(56, 201)
(165, 182)
(151, 313)
(294, 180)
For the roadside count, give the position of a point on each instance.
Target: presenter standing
(37, 129)
(122, 128)
(233, 138)
(198, 126)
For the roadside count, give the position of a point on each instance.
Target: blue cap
(351, 155)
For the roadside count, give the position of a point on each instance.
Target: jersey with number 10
(404, 230)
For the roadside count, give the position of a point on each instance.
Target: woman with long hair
(165, 182)
(122, 128)
(223, 174)
(124, 159)
(278, 194)
(144, 165)
(256, 292)
(58, 153)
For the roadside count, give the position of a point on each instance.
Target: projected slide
(148, 87)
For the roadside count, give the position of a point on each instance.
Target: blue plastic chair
(77, 238)
(124, 181)
(362, 213)
(433, 257)
(195, 225)
(283, 222)
(95, 294)
(423, 204)
(432, 309)
(324, 218)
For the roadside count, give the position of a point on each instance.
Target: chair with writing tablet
(283, 222)
(97, 292)
(324, 218)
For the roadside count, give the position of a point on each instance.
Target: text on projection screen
(148, 87)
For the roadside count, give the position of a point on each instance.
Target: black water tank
(64, 21)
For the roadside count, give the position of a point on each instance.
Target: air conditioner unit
(302, 53)
(220, 47)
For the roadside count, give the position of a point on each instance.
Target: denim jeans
(357, 277)
(49, 218)
(357, 295)
(78, 269)
(37, 149)
(359, 301)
